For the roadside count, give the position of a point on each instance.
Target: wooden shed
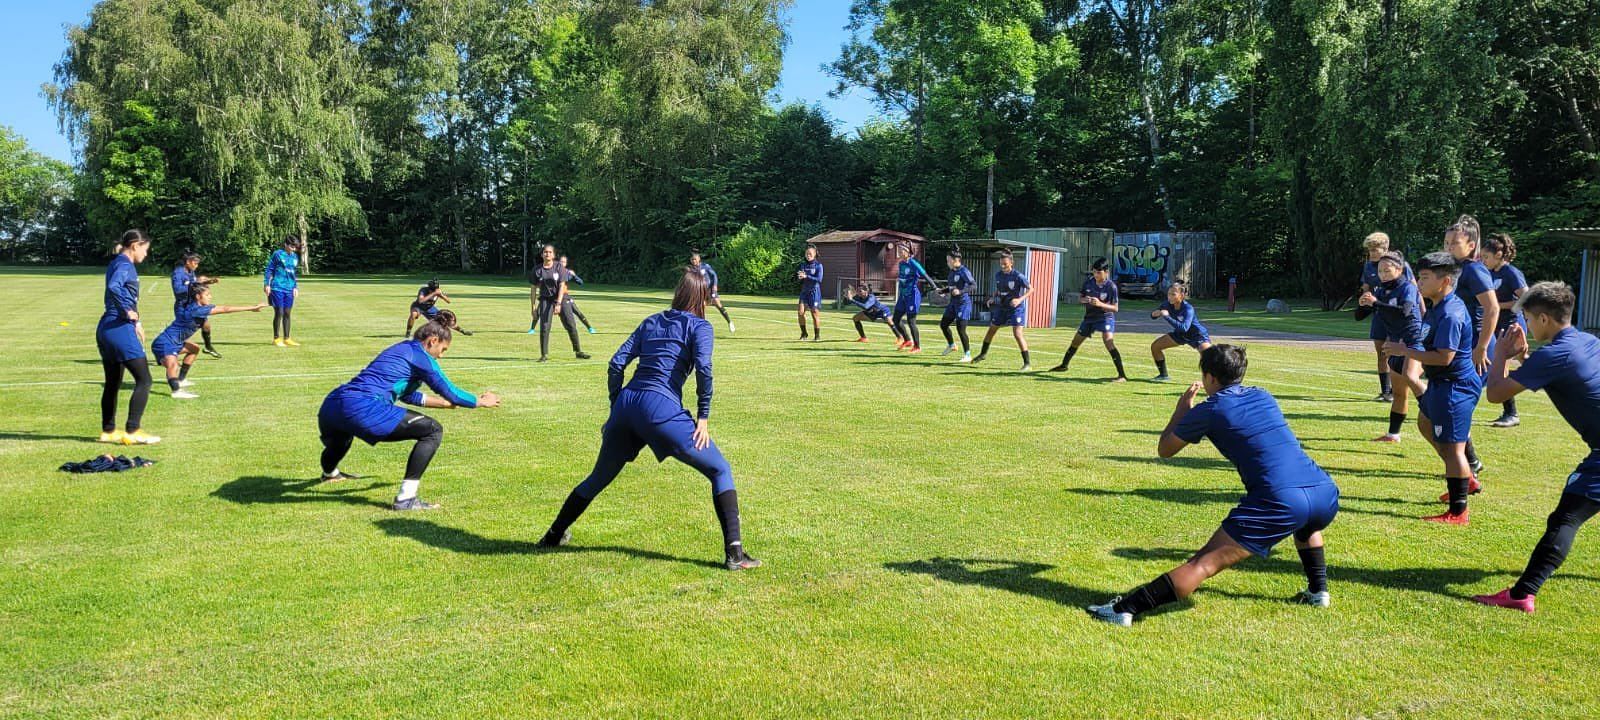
(850, 256)
(1040, 264)
(1588, 310)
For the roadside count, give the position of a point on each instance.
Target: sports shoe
(544, 358)
(1473, 488)
(1384, 397)
(1506, 421)
(414, 503)
(804, 336)
(861, 339)
(737, 559)
(290, 342)
(464, 331)
(730, 328)
(1119, 379)
(592, 330)
(1476, 465)
(914, 350)
(965, 357)
(1059, 368)
(212, 352)
(1448, 519)
(1387, 438)
(582, 355)
(1027, 367)
(339, 475)
(549, 541)
(1504, 599)
(533, 330)
(1107, 613)
(185, 383)
(816, 337)
(183, 395)
(980, 357)
(278, 342)
(947, 350)
(114, 437)
(1161, 378)
(1314, 599)
(139, 437)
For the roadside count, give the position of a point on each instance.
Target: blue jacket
(668, 345)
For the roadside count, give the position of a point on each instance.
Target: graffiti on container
(1141, 263)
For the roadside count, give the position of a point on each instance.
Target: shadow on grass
(254, 489)
(462, 541)
(1009, 575)
(1205, 463)
(31, 435)
(1207, 496)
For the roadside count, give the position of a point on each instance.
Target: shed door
(1043, 267)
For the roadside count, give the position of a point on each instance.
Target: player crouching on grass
(172, 347)
(365, 408)
(1453, 383)
(1568, 368)
(1286, 493)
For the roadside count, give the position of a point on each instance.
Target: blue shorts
(164, 346)
(281, 299)
(909, 304)
(118, 342)
(1585, 479)
(811, 300)
(1377, 332)
(958, 310)
(1193, 338)
(1448, 405)
(364, 417)
(1397, 363)
(877, 313)
(1107, 325)
(430, 311)
(1003, 314)
(1262, 521)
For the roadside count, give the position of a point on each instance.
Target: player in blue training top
(184, 278)
(959, 288)
(1286, 493)
(871, 309)
(1509, 285)
(1008, 306)
(648, 411)
(1475, 287)
(425, 305)
(120, 338)
(1396, 306)
(281, 283)
(710, 276)
(1376, 245)
(1186, 327)
(1453, 383)
(569, 304)
(365, 408)
(810, 277)
(173, 342)
(1100, 301)
(1568, 369)
(909, 302)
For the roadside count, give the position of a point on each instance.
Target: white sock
(335, 473)
(408, 490)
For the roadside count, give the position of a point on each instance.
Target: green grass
(1304, 316)
(931, 531)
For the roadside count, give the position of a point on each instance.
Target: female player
(1008, 306)
(1186, 328)
(874, 310)
(649, 411)
(1100, 303)
(710, 276)
(1475, 287)
(810, 277)
(567, 303)
(425, 304)
(1397, 305)
(120, 338)
(281, 284)
(174, 341)
(365, 408)
(550, 279)
(1376, 245)
(184, 278)
(909, 302)
(959, 287)
(1509, 285)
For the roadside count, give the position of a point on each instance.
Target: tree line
(462, 134)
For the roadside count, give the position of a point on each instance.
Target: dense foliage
(459, 134)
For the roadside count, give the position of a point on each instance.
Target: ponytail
(1502, 245)
(129, 239)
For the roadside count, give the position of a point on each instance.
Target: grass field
(931, 532)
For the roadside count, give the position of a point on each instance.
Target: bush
(759, 260)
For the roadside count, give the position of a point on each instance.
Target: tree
(32, 188)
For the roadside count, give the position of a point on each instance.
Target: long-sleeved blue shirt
(182, 283)
(812, 282)
(398, 374)
(122, 291)
(282, 271)
(961, 279)
(868, 303)
(709, 274)
(1399, 309)
(668, 345)
(911, 272)
(1182, 318)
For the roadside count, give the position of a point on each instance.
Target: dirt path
(1224, 333)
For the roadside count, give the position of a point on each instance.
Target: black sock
(724, 312)
(570, 511)
(727, 505)
(1148, 597)
(860, 330)
(1510, 407)
(1384, 384)
(1025, 360)
(205, 336)
(802, 326)
(961, 328)
(183, 371)
(1161, 366)
(1116, 357)
(1472, 453)
(172, 383)
(948, 338)
(1396, 421)
(1316, 567)
(985, 350)
(916, 335)
(1570, 514)
(1067, 359)
(1458, 494)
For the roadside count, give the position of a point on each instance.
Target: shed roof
(851, 236)
(1582, 234)
(996, 244)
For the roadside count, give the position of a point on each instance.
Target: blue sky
(35, 37)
